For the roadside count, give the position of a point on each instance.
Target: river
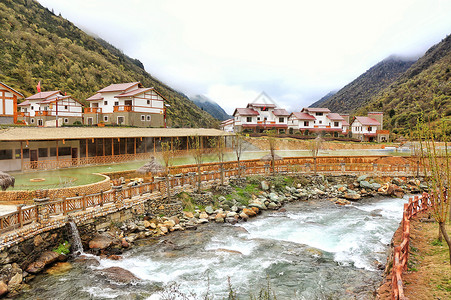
(314, 250)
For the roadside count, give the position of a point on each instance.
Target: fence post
(101, 198)
(20, 214)
(83, 201)
(64, 206)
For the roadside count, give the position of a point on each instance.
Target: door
(34, 158)
(89, 121)
(74, 156)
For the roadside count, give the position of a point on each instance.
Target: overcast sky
(230, 51)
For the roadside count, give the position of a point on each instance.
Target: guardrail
(401, 252)
(182, 175)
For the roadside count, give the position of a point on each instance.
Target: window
(143, 117)
(43, 152)
(116, 103)
(32, 108)
(32, 121)
(66, 120)
(64, 151)
(320, 122)
(319, 113)
(45, 108)
(52, 151)
(335, 124)
(105, 118)
(65, 107)
(264, 109)
(369, 128)
(281, 120)
(148, 118)
(120, 120)
(6, 154)
(26, 153)
(40, 123)
(148, 102)
(25, 110)
(306, 123)
(105, 102)
(248, 119)
(258, 118)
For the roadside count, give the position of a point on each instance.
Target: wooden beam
(112, 147)
(103, 146)
(57, 154)
(86, 146)
(21, 156)
(134, 150)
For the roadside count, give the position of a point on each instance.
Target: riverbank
(428, 274)
(237, 202)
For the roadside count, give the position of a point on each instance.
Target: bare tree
(219, 147)
(314, 147)
(271, 136)
(197, 152)
(437, 163)
(239, 145)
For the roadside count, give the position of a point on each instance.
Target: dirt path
(429, 273)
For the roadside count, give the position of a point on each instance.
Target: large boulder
(119, 275)
(209, 210)
(3, 288)
(366, 184)
(258, 205)
(352, 196)
(265, 185)
(46, 258)
(249, 212)
(100, 242)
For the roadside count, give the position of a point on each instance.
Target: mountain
(210, 107)
(423, 90)
(360, 91)
(37, 45)
(320, 102)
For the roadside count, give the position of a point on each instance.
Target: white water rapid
(77, 247)
(314, 250)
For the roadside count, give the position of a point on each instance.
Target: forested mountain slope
(36, 45)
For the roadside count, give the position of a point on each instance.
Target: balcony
(93, 110)
(23, 114)
(121, 108)
(42, 113)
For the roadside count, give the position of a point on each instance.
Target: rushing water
(314, 250)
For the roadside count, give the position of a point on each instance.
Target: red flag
(65, 94)
(38, 87)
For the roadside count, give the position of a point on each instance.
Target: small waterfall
(76, 240)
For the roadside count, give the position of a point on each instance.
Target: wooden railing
(126, 108)
(182, 175)
(93, 110)
(401, 252)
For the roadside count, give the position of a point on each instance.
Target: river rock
(203, 216)
(244, 216)
(15, 281)
(265, 185)
(232, 221)
(362, 178)
(101, 242)
(203, 220)
(249, 212)
(258, 205)
(231, 214)
(119, 275)
(352, 196)
(274, 197)
(221, 198)
(164, 229)
(46, 258)
(209, 210)
(341, 201)
(3, 288)
(376, 186)
(366, 184)
(189, 214)
(272, 206)
(146, 224)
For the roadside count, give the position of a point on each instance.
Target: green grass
(63, 248)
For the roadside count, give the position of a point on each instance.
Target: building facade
(316, 120)
(127, 104)
(370, 128)
(8, 104)
(50, 109)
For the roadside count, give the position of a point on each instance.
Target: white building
(126, 104)
(8, 104)
(43, 107)
(260, 115)
(313, 119)
(370, 128)
(227, 125)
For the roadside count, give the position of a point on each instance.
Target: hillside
(37, 45)
(360, 91)
(210, 107)
(424, 89)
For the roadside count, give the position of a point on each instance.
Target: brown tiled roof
(117, 87)
(281, 112)
(344, 123)
(316, 109)
(246, 112)
(133, 92)
(97, 96)
(302, 116)
(42, 95)
(335, 117)
(226, 122)
(367, 121)
(49, 133)
(25, 103)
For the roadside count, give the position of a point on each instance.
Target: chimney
(379, 116)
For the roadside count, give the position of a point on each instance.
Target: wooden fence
(186, 175)
(401, 252)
